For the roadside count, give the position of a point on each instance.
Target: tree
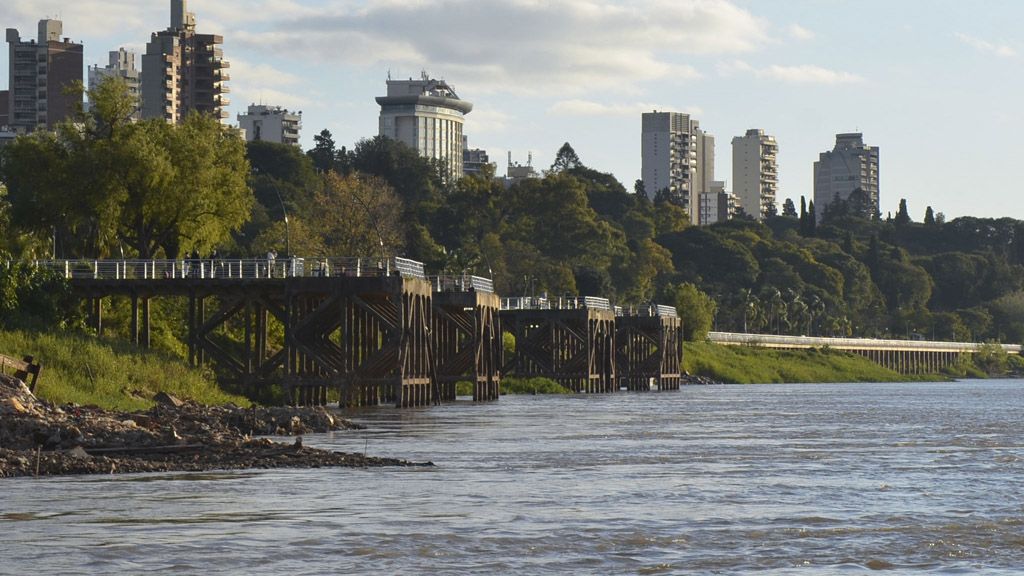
(902, 216)
(788, 208)
(566, 159)
(929, 217)
(101, 183)
(696, 308)
(323, 152)
(358, 215)
(771, 210)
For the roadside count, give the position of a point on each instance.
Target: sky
(935, 84)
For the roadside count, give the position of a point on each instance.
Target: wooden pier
(570, 340)
(649, 348)
(467, 336)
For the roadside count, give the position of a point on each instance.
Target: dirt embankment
(39, 438)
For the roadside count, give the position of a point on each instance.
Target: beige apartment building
(847, 167)
(677, 157)
(755, 172)
(38, 72)
(184, 71)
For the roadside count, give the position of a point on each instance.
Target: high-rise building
(716, 205)
(183, 71)
(849, 166)
(121, 64)
(755, 173)
(677, 157)
(473, 159)
(427, 115)
(39, 71)
(271, 124)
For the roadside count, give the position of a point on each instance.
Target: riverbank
(759, 365)
(39, 438)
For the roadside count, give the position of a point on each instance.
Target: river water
(767, 479)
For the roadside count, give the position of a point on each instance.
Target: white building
(716, 205)
(121, 63)
(427, 115)
(677, 157)
(850, 165)
(755, 172)
(271, 124)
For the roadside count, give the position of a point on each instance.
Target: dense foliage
(103, 185)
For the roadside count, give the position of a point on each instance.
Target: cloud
(525, 47)
(984, 46)
(590, 108)
(798, 32)
(808, 74)
(804, 74)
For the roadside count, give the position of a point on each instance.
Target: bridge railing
(541, 303)
(228, 268)
(462, 283)
(848, 343)
(651, 310)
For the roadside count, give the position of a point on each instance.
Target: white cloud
(520, 46)
(1002, 49)
(798, 32)
(807, 74)
(804, 74)
(590, 108)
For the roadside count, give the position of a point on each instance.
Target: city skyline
(584, 72)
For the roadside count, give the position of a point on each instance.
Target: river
(766, 479)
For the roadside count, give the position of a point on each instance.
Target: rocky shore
(38, 438)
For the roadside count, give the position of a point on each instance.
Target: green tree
(565, 160)
(902, 215)
(696, 309)
(358, 215)
(101, 183)
(788, 208)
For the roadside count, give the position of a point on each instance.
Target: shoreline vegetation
(116, 375)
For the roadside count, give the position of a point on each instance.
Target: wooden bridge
(382, 331)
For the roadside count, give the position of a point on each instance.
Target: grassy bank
(112, 375)
(753, 364)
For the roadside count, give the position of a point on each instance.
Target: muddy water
(770, 479)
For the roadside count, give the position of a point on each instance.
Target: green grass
(112, 375)
(753, 364)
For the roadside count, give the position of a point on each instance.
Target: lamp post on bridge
(284, 212)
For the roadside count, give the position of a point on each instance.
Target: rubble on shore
(691, 379)
(38, 438)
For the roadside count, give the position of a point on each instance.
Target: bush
(532, 386)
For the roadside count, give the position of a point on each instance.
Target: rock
(79, 453)
(142, 420)
(15, 405)
(168, 399)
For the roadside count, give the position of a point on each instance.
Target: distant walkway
(904, 356)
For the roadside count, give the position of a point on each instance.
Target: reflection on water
(728, 479)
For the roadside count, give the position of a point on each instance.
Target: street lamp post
(284, 212)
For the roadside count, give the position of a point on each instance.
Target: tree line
(102, 186)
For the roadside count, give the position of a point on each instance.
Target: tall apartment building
(38, 73)
(122, 65)
(755, 172)
(716, 205)
(677, 156)
(850, 165)
(184, 71)
(427, 115)
(271, 124)
(473, 159)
